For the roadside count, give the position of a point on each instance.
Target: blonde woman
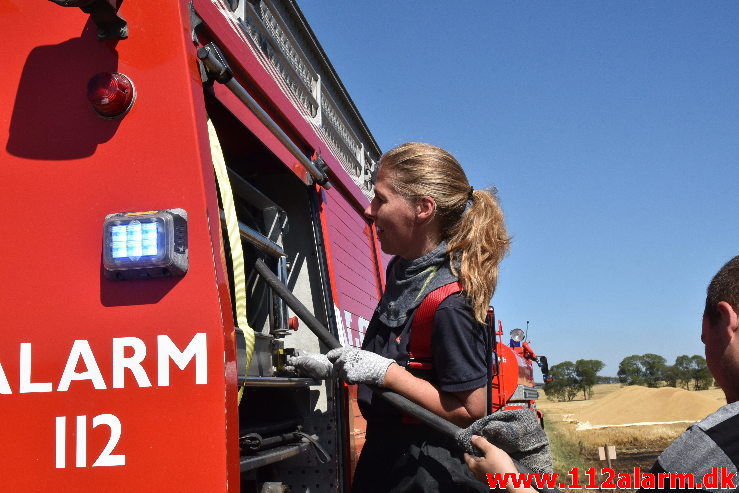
(441, 231)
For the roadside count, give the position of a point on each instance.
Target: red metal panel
(362, 277)
(354, 264)
(261, 85)
(63, 169)
(356, 286)
(265, 135)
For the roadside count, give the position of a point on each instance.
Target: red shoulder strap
(419, 345)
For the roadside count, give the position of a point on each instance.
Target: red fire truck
(154, 155)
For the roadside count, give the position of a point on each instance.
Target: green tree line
(652, 370)
(572, 379)
(569, 379)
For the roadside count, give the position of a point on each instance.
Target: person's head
(422, 196)
(720, 332)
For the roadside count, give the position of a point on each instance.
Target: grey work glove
(518, 432)
(359, 366)
(311, 364)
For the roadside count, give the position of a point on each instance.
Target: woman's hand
(494, 461)
(314, 365)
(359, 366)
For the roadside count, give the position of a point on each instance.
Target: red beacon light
(111, 94)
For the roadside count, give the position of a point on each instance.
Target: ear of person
(425, 209)
(729, 316)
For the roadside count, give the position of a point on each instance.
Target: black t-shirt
(458, 354)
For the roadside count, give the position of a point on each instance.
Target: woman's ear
(425, 209)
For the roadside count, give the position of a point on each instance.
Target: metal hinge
(104, 13)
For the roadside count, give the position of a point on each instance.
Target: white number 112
(105, 458)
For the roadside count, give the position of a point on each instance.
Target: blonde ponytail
(480, 241)
(471, 222)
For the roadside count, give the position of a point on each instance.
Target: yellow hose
(234, 241)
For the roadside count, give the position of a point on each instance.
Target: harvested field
(637, 405)
(639, 421)
(613, 404)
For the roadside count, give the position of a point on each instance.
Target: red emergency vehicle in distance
(513, 371)
(152, 153)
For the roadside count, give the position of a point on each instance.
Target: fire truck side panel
(260, 79)
(354, 285)
(317, 413)
(65, 169)
(355, 271)
(250, 121)
(131, 386)
(354, 265)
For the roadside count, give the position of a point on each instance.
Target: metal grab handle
(295, 305)
(438, 423)
(218, 68)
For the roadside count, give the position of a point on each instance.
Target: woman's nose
(368, 213)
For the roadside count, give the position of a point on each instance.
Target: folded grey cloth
(518, 432)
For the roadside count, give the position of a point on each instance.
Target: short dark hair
(723, 287)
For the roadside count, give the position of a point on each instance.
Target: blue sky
(611, 130)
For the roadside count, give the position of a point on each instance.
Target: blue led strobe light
(142, 245)
(134, 240)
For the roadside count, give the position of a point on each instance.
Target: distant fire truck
(156, 154)
(513, 372)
